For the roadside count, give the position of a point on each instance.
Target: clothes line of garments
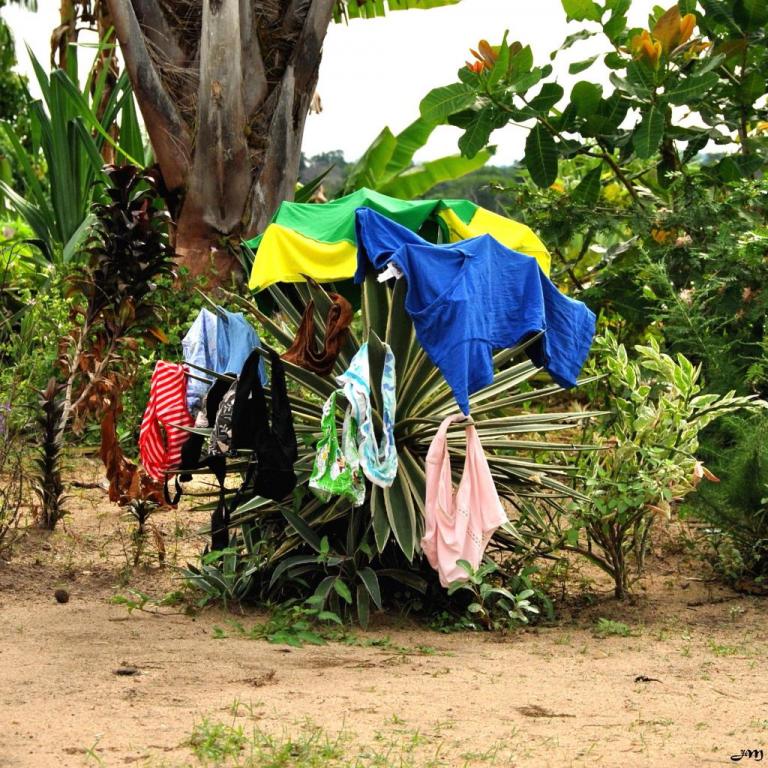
(321, 240)
(467, 298)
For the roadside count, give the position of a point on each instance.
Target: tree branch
(254, 77)
(221, 175)
(277, 178)
(167, 131)
(157, 30)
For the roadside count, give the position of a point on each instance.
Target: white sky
(375, 72)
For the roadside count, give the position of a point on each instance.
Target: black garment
(270, 471)
(191, 451)
(220, 442)
(274, 449)
(191, 458)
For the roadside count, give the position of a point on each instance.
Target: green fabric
(337, 472)
(464, 209)
(335, 221)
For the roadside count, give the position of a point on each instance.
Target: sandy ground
(550, 696)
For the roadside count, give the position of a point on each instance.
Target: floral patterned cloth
(336, 471)
(379, 462)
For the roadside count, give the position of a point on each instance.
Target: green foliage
(305, 745)
(387, 165)
(214, 743)
(232, 575)
(736, 508)
(12, 444)
(371, 9)
(294, 624)
(14, 105)
(689, 270)
(703, 275)
(13, 90)
(136, 600)
(67, 139)
(493, 604)
(720, 75)
(608, 628)
(217, 742)
(30, 319)
(649, 453)
(346, 571)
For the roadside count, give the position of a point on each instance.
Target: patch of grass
(221, 745)
(722, 650)
(608, 628)
(487, 756)
(92, 756)
(215, 743)
(310, 749)
(295, 626)
(135, 600)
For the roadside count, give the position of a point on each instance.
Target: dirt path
(554, 696)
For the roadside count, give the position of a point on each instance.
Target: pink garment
(459, 527)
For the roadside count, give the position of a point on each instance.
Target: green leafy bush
(12, 471)
(493, 604)
(648, 460)
(708, 57)
(736, 508)
(230, 576)
(70, 126)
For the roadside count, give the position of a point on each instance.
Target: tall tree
(225, 87)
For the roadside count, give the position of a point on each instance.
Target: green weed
(607, 628)
(215, 742)
(722, 650)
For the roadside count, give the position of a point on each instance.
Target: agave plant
(70, 127)
(388, 543)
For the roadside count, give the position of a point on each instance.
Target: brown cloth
(304, 353)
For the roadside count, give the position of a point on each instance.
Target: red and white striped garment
(160, 440)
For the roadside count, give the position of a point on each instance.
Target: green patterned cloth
(337, 468)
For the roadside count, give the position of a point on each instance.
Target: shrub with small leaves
(648, 458)
(493, 605)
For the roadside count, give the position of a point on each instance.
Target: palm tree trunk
(225, 114)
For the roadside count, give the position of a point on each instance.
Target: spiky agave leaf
(423, 401)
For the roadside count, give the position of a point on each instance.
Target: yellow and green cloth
(319, 239)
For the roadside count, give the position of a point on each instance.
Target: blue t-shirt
(219, 343)
(470, 298)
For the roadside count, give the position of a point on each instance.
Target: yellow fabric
(284, 254)
(512, 234)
